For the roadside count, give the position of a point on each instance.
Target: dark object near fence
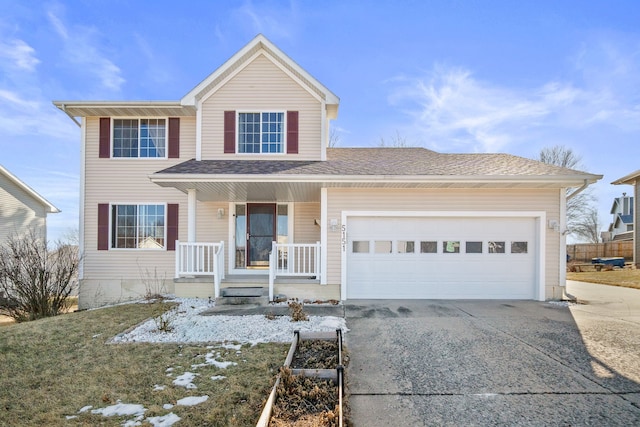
(614, 261)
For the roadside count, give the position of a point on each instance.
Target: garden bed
(309, 389)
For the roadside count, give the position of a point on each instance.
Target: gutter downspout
(578, 191)
(64, 108)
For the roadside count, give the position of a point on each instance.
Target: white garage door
(441, 258)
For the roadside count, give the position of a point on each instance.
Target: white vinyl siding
(19, 212)
(115, 181)
(305, 228)
(444, 200)
(261, 86)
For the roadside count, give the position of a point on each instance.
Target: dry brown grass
(50, 368)
(629, 278)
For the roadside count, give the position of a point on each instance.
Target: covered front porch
(250, 225)
(290, 266)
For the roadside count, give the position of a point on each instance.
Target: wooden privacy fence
(586, 251)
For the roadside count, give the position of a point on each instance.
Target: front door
(261, 231)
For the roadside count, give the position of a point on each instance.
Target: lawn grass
(629, 278)
(51, 368)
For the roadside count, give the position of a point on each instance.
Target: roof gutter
(63, 107)
(307, 178)
(578, 190)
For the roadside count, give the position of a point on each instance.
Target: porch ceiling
(287, 191)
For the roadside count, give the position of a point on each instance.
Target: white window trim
(284, 133)
(111, 205)
(138, 118)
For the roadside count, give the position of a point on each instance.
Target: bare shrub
(297, 312)
(305, 401)
(34, 281)
(166, 321)
(154, 286)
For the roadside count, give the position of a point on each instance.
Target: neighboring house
(633, 179)
(234, 185)
(22, 210)
(621, 228)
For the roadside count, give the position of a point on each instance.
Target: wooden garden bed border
(336, 375)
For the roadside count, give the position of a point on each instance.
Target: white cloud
(19, 54)
(16, 101)
(449, 105)
(57, 24)
(83, 51)
(277, 21)
(156, 70)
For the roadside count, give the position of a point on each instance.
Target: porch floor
(244, 286)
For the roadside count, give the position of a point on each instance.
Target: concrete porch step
(244, 291)
(246, 295)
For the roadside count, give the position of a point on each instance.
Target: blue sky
(453, 76)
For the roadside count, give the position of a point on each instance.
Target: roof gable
(29, 191)
(622, 220)
(260, 45)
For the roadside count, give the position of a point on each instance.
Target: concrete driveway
(416, 363)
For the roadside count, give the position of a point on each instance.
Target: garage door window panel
(451, 247)
(496, 247)
(428, 247)
(473, 247)
(519, 247)
(406, 247)
(382, 246)
(360, 247)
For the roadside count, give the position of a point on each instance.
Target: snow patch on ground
(211, 359)
(185, 380)
(192, 400)
(120, 409)
(562, 303)
(218, 377)
(163, 421)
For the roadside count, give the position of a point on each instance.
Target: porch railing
(201, 259)
(293, 259)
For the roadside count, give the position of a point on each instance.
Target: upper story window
(261, 132)
(139, 138)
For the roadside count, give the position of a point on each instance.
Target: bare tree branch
(560, 155)
(588, 227)
(397, 141)
(580, 207)
(35, 282)
(334, 138)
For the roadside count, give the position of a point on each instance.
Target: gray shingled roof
(383, 161)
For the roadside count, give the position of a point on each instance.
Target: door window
(261, 227)
(241, 236)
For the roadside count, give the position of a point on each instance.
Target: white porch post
(191, 215)
(324, 235)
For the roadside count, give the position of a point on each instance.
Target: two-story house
(235, 185)
(621, 226)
